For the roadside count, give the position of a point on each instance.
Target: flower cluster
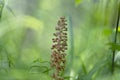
(58, 49)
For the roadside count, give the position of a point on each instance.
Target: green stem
(71, 43)
(115, 39)
(71, 40)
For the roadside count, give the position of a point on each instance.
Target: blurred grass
(25, 40)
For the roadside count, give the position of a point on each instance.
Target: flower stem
(115, 39)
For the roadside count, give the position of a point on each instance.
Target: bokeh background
(26, 32)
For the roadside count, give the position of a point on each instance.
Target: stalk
(71, 42)
(115, 39)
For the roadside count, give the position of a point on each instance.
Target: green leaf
(97, 67)
(24, 75)
(33, 23)
(67, 77)
(77, 2)
(9, 9)
(107, 32)
(114, 46)
(36, 69)
(118, 29)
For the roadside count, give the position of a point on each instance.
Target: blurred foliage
(26, 30)
(2, 3)
(77, 2)
(114, 46)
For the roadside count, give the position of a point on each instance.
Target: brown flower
(59, 47)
